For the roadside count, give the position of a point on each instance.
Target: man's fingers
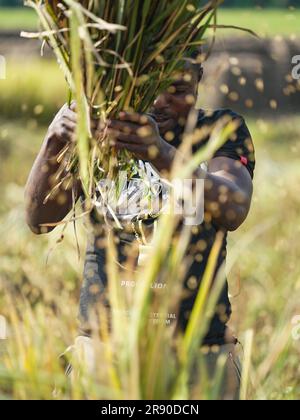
(70, 115)
(125, 138)
(65, 135)
(134, 118)
(69, 125)
(122, 126)
(73, 106)
(141, 131)
(140, 151)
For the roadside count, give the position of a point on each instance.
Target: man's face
(175, 104)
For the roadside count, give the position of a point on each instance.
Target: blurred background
(251, 75)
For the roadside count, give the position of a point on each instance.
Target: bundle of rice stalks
(117, 55)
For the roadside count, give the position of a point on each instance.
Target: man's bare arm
(228, 192)
(41, 179)
(228, 184)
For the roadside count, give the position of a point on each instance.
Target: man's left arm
(228, 183)
(228, 192)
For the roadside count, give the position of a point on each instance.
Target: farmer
(228, 192)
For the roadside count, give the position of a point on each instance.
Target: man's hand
(43, 176)
(62, 129)
(139, 134)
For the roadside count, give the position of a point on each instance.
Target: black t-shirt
(239, 147)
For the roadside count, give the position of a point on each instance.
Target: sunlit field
(20, 19)
(26, 95)
(272, 22)
(279, 22)
(264, 283)
(41, 276)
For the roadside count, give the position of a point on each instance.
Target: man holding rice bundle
(133, 69)
(228, 192)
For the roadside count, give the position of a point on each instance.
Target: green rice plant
(142, 360)
(118, 66)
(119, 55)
(149, 362)
(271, 290)
(116, 56)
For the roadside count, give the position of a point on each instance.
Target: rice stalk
(246, 373)
(118, 55)
(143, 345)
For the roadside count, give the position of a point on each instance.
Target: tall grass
(266, 301)
(132, 348)
(136, 361)
(123, 66)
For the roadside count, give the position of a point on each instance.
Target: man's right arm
(43, 173)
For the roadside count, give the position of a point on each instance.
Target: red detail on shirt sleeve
(244, 160)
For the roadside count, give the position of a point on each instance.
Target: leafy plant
(118, 55)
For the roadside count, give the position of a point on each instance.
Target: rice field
(264, 284)
(24, 95)
(17, 19)
(266, 23)
(271, 22)
(40, 277)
